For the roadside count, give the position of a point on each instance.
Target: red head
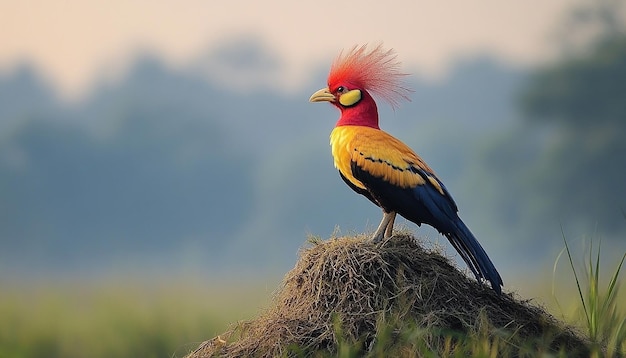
(356, 74)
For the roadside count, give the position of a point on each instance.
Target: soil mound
(392, 297)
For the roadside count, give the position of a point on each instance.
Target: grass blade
(580, 292)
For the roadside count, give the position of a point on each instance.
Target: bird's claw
(377, 238)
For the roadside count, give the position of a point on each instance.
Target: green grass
(598, 309)
(119, 319)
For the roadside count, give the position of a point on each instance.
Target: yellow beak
(322, 95)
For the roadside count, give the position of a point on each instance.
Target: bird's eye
(341, 89)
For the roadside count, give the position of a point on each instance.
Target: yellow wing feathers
(381, 155)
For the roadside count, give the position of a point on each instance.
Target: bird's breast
(341, 139)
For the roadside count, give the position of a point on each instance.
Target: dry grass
(389, 297)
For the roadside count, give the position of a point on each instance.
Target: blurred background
(160, 165)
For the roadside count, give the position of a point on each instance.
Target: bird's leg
(389, 229)
(380, 232)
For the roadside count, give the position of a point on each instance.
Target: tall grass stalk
(605, 325)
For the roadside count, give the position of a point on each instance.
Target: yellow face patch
(350, 98)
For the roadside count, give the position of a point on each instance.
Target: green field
(120, 318)
(125, 317)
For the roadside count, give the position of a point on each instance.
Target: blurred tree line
(168, 164)
(570, 153)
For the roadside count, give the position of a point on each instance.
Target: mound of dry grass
(351, 290)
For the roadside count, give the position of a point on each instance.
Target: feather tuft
(376, 71)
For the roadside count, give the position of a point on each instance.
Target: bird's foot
(389, 232)
(377, 237)
(385, 229)
(380, 236)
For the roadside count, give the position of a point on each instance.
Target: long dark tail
(474, 255)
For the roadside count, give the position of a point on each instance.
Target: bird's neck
(364, 113)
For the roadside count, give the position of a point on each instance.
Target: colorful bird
(382, 168)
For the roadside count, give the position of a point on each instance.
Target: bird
(381, 167)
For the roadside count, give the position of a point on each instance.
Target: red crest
(376, 71)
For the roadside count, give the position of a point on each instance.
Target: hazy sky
(76, 41)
